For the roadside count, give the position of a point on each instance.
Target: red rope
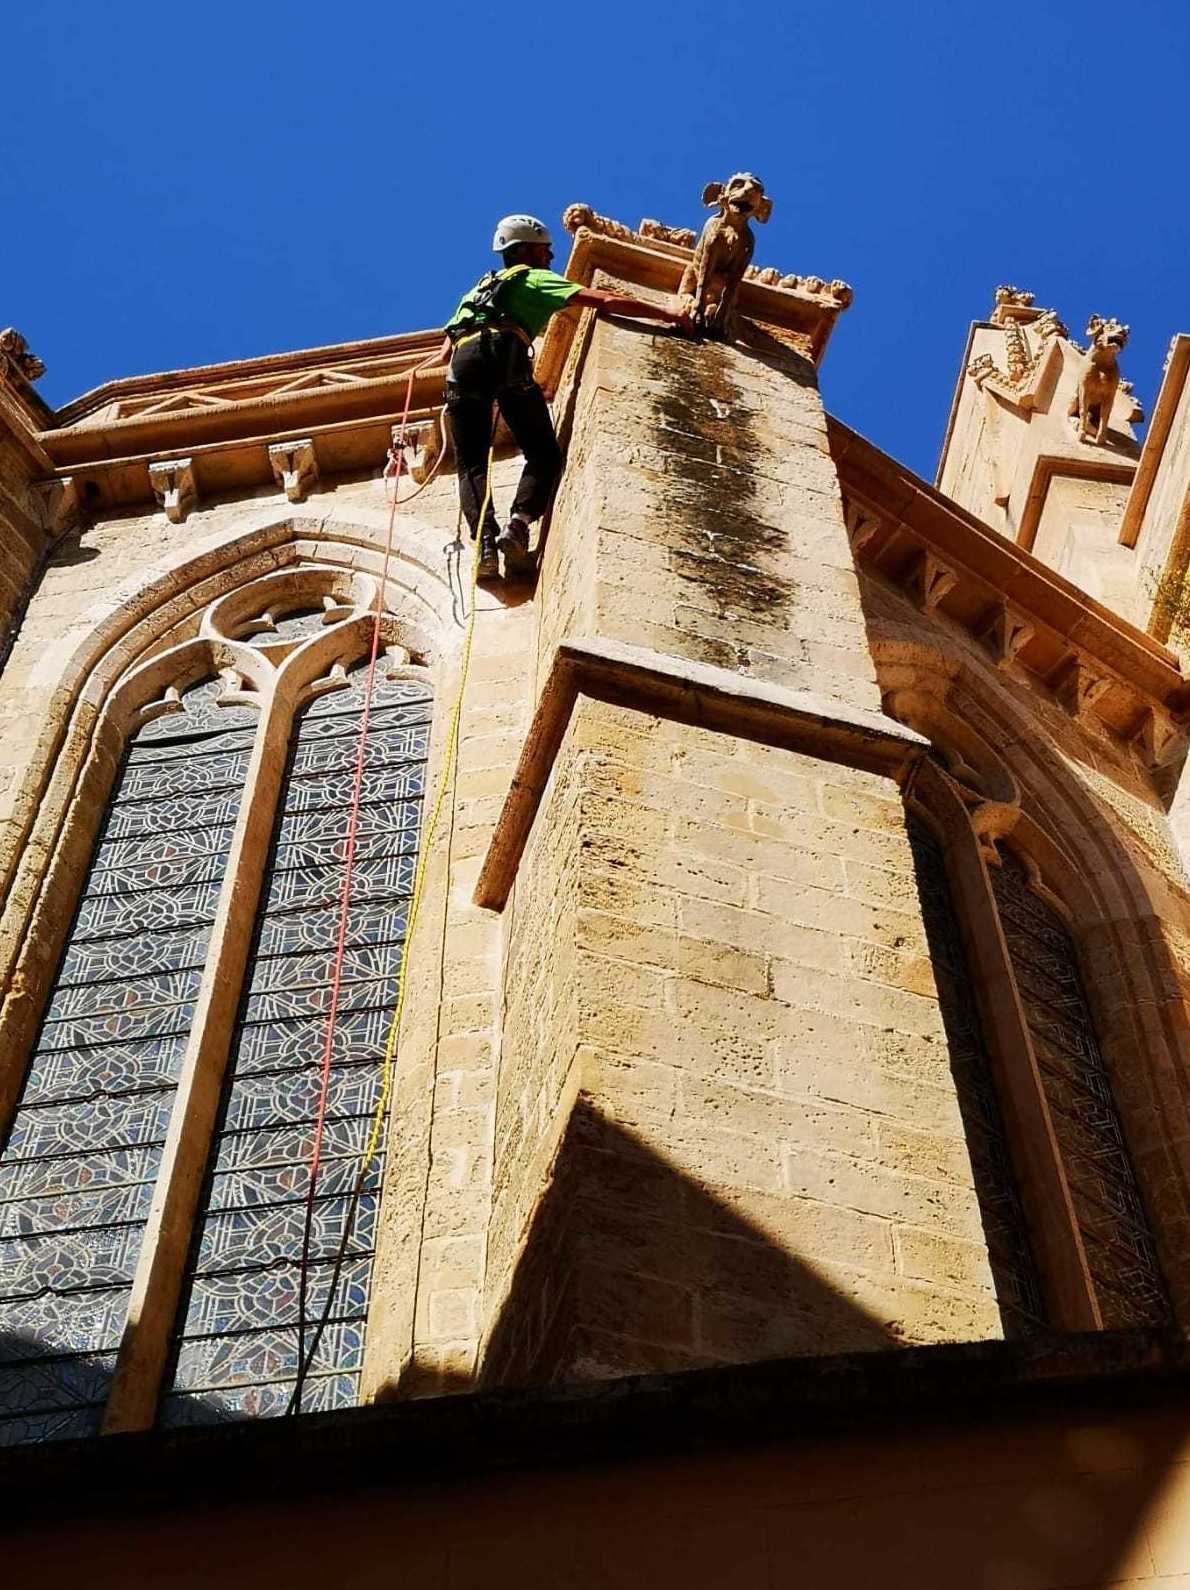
(344, 910)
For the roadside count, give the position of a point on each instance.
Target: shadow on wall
(47, 1395)
(630, 1267)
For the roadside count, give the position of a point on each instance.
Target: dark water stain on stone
(700, 410)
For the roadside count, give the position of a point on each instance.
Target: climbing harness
(306, 1356)
(479, 310)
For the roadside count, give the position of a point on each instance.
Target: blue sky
(184, 185)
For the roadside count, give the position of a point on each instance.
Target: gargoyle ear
(764, 208)
(1094, 324)
(712, 193)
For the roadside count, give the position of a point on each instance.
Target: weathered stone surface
(689, 1100)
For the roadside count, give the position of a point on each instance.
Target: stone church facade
(785, 1174)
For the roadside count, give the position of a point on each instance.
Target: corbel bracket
(930, 581)
(1077, 686)
(861, 525)
(61, 505)
(1156, 737)
(295, 467)
(1004, 632)
(173, 486)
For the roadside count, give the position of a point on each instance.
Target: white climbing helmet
(520, 229)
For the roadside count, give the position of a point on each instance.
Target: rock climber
(489, 342)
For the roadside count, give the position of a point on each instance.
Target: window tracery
(236, 1347)
(77, 1171)
(87, 1146)
(1065, 1149)
(1111, 1217)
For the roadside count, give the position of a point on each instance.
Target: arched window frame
(277, 677)
(972, 802)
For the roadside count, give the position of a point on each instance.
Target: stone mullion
(1045, 1193)
(136, 1381)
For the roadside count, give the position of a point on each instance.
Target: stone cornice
(683, 692)
(345, 397)
(265, 368)
(1004, 596)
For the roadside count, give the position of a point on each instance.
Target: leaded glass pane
(236, 1338)
(1010, 1254)
(1111, 1216)
(78, 1167)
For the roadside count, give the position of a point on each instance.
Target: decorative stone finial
(1012, 303)
(15, 358)
(711, 282)
(1015, 311)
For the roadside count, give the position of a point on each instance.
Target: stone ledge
(783, 1401)
(708, 697)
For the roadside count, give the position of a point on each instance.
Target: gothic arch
(1079, 865)
(72, 762)
(279, 642)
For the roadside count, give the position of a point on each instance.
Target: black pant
(495, 368)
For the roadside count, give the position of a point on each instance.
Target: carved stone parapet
(835, 295)
(61, 505)
(1004, 632)
(1078, 686)
(295, 467)
(173, 486)
(930, 580)
(839, 293)
(16, 362)
(576, 216)
(658, 232)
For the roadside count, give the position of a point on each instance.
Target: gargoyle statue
(711, 281)
(1098, 379)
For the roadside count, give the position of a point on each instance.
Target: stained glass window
(77, 1170)
(236, 1344)
(1111, 1216)
(1010, 1254)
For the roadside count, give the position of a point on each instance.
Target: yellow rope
(419, 874)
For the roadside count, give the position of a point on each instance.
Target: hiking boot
(488, 568)
(514, 543)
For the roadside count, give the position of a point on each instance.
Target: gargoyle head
(740, 199)
(1106, 333)
(15, 358)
